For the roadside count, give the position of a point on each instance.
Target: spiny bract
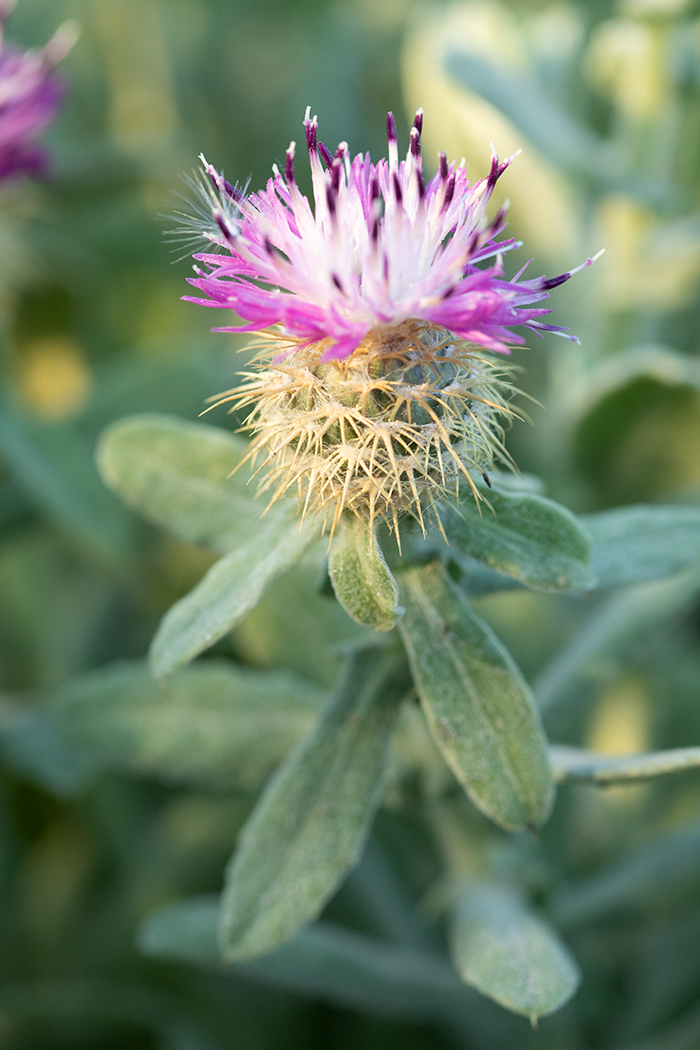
(392, 428)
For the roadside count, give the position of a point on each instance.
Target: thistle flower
(30, 96)
(373, 393)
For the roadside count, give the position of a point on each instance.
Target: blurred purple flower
(379, 247)
(30, 96)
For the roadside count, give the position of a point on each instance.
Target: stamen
(392, 141)
(449, 191)
(326, 154)
(311, 128)
(289, 164)
(415, 142)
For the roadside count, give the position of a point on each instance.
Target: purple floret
(379, 246)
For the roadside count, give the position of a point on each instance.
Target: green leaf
(524, 536)
(215, 724)
(478, 706)
(299, 626)
(361, 578)
(231, 588)
(634, 544)
(613, 624)
(53, 463)
(31, 744)
(178, 474)
(509, 954)
(635, 422)
(534, 112)
(310, 825)
(327, 962)
(656, 876)
(574, 763)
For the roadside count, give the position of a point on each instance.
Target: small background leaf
(612, 624)
(509, 954)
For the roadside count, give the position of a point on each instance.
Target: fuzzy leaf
(214, 724)
(310, 825)
(479, 708)
(634, 544)
(178, 474)
(231, 588)
(524, 536)
(509, 954)
(361, 578)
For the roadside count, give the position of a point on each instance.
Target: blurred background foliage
(604, 100)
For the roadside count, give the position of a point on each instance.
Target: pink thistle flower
(30, 97)
(379, 247)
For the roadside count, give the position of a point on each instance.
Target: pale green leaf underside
(309, 827)
(214, 724)
(524, 536)
(510, 954)
(573, 763)
(179, 475)
(479, 708)
(361, 578)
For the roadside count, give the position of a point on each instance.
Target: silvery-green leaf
(213, 724)
(230, 589)
(478, 706)
(361, 578)
(524, 536)
(310, 825)
(500, 947)
(634, 544)
(179, 475)
(575, 763)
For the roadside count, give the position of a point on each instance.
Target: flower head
(374, 304)
(30, 96)
(380, 246)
